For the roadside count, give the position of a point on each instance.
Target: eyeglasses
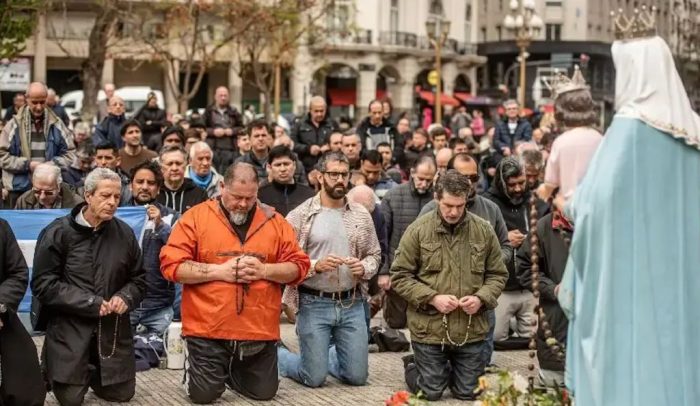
(473, 178)
(337, 175)
(47, 193)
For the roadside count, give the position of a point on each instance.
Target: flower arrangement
(405, 398)
(512, 389)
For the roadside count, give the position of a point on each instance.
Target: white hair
(49, 172)
(97, 175)
(199, 146)
(364, 195)
(284, 140)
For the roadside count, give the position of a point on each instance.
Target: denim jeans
(488, 349)
(437, 367)
(318, 320)
(151, 320)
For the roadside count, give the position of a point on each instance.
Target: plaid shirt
(361, 234)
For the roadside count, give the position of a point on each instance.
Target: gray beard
(238, 217)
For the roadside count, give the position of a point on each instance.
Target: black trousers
(248, 367)
(22, 382)
(73, 394)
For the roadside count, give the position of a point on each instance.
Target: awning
(463, 96)
(342, 97)
(445, 99)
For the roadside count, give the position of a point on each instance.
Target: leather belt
(343, 295)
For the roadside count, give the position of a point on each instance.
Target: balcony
(358, 37)
(414, 42)
(398, 38)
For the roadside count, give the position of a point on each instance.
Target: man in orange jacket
(231, 255)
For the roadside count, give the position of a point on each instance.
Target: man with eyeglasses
(110, 128)
(33, 136)
(48, 191)
(340, 239)
(511, 194)
(512, 131)
(487, 210)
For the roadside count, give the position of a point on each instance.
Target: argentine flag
(27, 224)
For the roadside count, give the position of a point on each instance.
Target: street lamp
(438, 30)
(525, 25)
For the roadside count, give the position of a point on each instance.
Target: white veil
(647, 87)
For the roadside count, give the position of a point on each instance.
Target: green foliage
(17, 21)
(511, 389)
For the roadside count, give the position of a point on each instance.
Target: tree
(17, 20)
(281, 27)
(194, 34)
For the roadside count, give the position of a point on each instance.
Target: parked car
(134, 97)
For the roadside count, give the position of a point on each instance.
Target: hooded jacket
(183, 199)
(75, 269)
(222, 310)
(515, 213)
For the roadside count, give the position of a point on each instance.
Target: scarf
(202, 182)
(26, 126)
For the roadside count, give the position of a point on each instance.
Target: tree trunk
(93, 65)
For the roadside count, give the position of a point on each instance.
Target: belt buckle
(335, 296)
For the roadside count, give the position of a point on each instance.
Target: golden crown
(642, 24)
(562, 83)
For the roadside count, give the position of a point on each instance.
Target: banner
(27, 224)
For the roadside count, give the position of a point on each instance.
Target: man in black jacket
(283, 193)
(109, 130)
(400, 207)
(222, 120)
(509, 191)
(88, 274)
(260, 140)
(154, 314)
(511, 132)
(375, 129)
(178, 192)
(311, 135)
(22, 383)
(152, 119)
(552, 230)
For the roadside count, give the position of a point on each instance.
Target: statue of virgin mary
(631, 288)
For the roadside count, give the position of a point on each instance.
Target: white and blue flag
(27, 224)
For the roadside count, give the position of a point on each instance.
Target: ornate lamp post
(525, 25)
(438, 30)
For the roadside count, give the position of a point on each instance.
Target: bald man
(33, 136)
(311, 134)
(223, 122)
(52, 103)
(109, 130)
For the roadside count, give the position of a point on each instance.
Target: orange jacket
(209, 310)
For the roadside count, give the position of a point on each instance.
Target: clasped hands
(332, 262)
(244, 269)
(445, 304)
(114, 305)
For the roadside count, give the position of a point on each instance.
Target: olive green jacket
(432, 260)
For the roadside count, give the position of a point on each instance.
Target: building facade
(377, 49)
(576, 32)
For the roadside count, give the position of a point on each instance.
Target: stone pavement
(163, 387)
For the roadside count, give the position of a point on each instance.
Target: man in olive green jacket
(450, 269)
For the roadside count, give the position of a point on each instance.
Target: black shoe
(407, 360)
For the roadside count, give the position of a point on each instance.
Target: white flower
(520, 383)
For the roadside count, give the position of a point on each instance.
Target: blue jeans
(153, 321)
(437, 367)
(177, 302)
(488, 349)
(318, 320)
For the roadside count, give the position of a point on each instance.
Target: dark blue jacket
(60, 112)
(503, 137)
(108, 130)
(160, 293)
(382, 236)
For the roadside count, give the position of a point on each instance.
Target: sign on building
(15, 74)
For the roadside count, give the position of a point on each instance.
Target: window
(553, 32)
(468, 22)
(436, 7)
(499, 32)
(394, 16)
(483, 34)
(339, 19)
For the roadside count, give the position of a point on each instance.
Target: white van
(134, 97)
